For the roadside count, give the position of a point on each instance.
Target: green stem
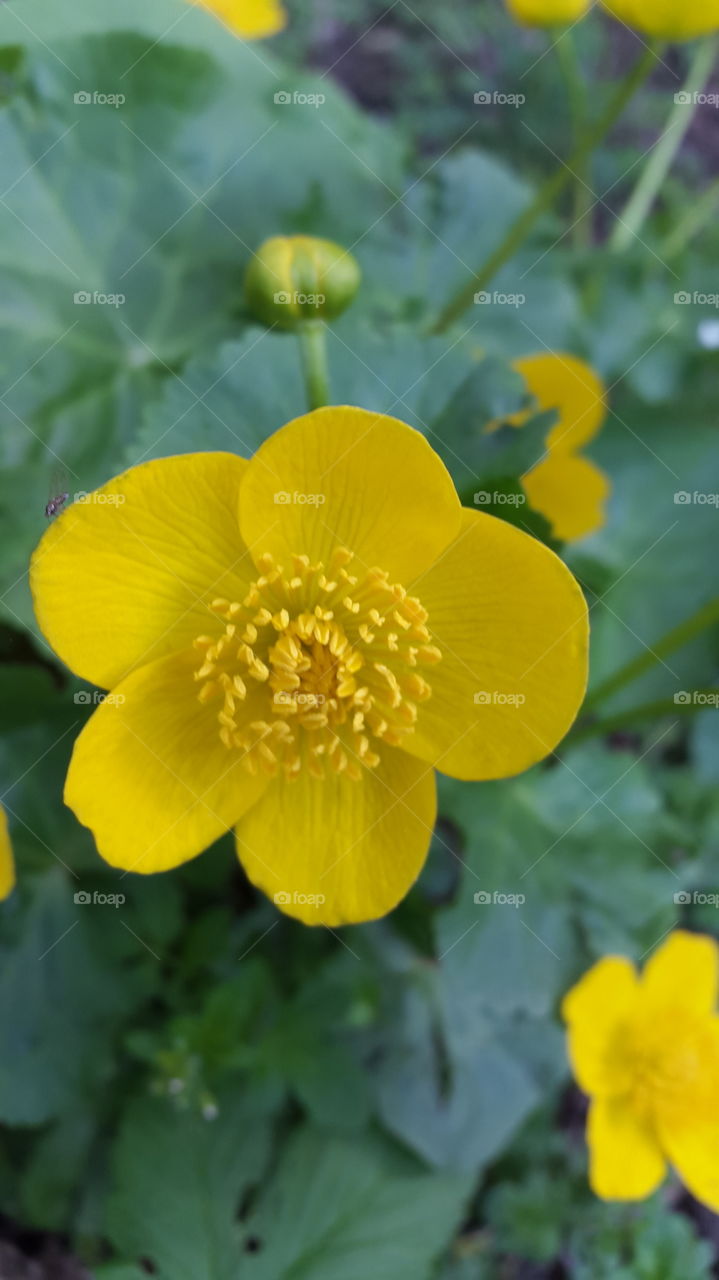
(694, 221)
(661, 158)
(674, 639)
(312, 337)
(548, 193)
(646, 711)
(568, 59)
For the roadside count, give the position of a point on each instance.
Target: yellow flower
(548, 13)
(646, 1050)
(250, 19)
(565, 487)
(293, 643)
(668, 19)
(7, 866)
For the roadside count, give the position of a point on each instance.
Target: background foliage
(190, 1084)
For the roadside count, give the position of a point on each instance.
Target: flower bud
(547, 13)
(296, 278)
(667, 19)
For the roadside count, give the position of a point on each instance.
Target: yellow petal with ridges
(684, 972)
(570, 492)
(596, 1011)
(7, 863)
(511, 624)
(149, 775)
(667, 19)
(126, 576)
(626, 1162)
(348, 478)
(249, 19)
(569, 385)
(337, 851)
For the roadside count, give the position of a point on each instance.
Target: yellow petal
(7, 864)
(124, 577)
(511, 623)
(596, 1012)
(626, 1162)
(547, 13)
(249, 19)
(683, 972)
(694, 1152)
(569, 385)
(149, 775)
(668, 19)
(570, 492)
(342, 477)
(336, 852)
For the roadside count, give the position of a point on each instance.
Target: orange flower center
(317, 667)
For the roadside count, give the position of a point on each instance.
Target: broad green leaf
(346, 1209)
(180, 1180)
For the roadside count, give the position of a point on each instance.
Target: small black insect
(56, 504)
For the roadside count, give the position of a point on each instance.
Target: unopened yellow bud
(292, 279)
(547, 13)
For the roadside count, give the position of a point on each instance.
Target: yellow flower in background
(7, 865)
(565, 487)
(667, 19)
(250, 19)
(548, 13)
(646, 1050)
(293, 644)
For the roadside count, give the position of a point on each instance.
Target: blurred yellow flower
(565, 487)
(548, 13)
(7, 865)
(646, 1050)
(266, 674)
(667, 19)
(250, 19)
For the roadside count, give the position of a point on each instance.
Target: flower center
(317, 667)
(675, 1056)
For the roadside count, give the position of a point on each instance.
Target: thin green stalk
(548, 193)
(312, 337)
(694, 221)
(646, 711)
(568, 59)
(688, 630)
(662, 156)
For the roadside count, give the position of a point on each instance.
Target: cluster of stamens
(317, 666)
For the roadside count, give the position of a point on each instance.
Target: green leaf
(347, 1209)
(127, 231)
(180, 1180)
